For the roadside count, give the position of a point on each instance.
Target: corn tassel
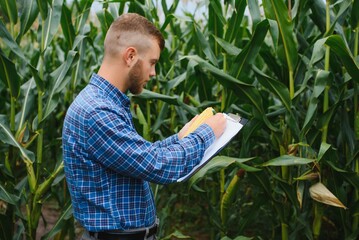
(207, 113)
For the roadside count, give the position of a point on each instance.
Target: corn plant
(36, 69)
(290, 67)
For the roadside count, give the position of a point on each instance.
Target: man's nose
(153, 72)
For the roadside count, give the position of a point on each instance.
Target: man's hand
(218, 124)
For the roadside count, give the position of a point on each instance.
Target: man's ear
(130, 56)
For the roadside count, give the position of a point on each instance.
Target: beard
(136, 78)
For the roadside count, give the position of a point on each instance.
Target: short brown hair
(131, 23)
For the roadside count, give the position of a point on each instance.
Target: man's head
(132, 49)
(134, 30)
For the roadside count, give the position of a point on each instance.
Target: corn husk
(320, 193)
(207, 113)
(300, 191)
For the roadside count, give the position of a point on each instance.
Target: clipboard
(234, 124)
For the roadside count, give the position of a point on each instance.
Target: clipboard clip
(233, 117)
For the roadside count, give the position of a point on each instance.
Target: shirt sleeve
(115, 144)
(168, 141)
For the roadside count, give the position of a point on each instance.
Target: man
(108, 165)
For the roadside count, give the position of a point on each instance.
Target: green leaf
(7, 137)
(354, 17)
(105, 19)
(279, 11)
(9, 75)
(254, 11)
(9, 41)
(146, 94)
(322, 79)
(205, 46)
(142, 120)
(288, 160)
(250, 51)
(338, 46)
(51, 24)
(26, 102)
(176, 81)
(217, 9)
(216, 21)
(227, 47)
(81, 20)
(10, 10)
(318, 51)
(67, 26)
(324, 147)
(275, 87)
(7, 197)
(216, 164)
(57, 86)
(43, 8)
(29, 13)
(233, 29)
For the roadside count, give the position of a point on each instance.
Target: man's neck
(114, 75)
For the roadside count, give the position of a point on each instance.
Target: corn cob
(207, 113)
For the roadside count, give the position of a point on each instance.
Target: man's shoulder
(91, 101)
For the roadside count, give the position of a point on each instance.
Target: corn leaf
(320, 193)
(230, 49)
(10, 10)
(321, 80)
(173, 100)
(7, 197)
(354, 17)
(28, 16)
(279, 12)
(254, 11)
(9, 41)
(288, 160)
(7, 137)
(105, 19)
(275, 87)
(43, 8)
(52, 23)
(216, 21)
(324, 147)
(9, 75)
(143, 122)
(28, 99)
(81, 20)
(218, 163)
(250, 51)
(234, 29)
(60, 76)
(67, 26)
(204, 46)
(338, 46)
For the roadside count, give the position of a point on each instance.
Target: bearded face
(136, 78)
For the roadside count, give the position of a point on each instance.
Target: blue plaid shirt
(108, 165)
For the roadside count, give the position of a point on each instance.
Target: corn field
(291, 67)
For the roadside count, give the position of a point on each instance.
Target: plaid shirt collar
(110, 90)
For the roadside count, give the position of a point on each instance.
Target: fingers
(218, 124)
